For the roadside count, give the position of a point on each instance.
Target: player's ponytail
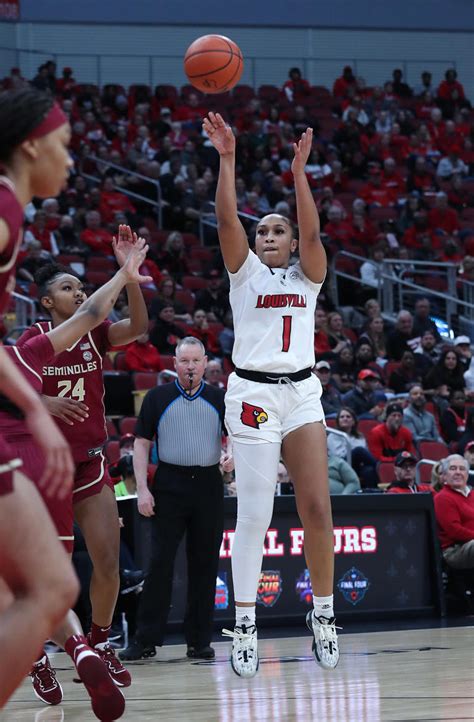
(21, 111)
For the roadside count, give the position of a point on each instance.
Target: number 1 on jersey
(285, 337)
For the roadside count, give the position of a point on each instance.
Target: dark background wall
(406, 14)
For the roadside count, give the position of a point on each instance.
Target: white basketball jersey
(273, 313)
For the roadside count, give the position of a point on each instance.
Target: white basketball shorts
(259, 412)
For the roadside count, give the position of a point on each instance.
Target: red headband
(53, 119)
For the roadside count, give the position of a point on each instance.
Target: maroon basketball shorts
(60, 510)
(9, 461)
(90, 477)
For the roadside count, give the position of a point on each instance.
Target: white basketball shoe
(325, 646)
(244, 655)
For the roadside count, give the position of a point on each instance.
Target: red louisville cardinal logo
(253, 415)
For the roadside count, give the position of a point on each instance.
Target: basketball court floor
(412, 674)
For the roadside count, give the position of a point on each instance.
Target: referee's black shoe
(136, 650)
(203, 653)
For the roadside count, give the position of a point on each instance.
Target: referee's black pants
(187, 500)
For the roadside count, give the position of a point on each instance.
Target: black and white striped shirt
(187, 429)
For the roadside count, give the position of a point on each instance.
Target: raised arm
(99, 305)
(129, 329)
(312, 253)
(232, 236)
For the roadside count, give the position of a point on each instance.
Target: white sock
(244, 615)
(324, 606)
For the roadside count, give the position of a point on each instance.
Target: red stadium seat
(167, 362)
(269, 93)
(166, 92)
(381, 215)
(101, 263)
(127, 424)
(434, 450)
(386, 472)
(243, 93)
(97, 278)
(112, 451)
(67, 258)
(143, 380)
(119, 361)
(331, 423)
(111, 428)
(193, 283)
(185, 297)
(190, 239)
(424, 469)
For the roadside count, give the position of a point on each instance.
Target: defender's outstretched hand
(123, 243)
(136, 256)
(220, 134)
(302, 150)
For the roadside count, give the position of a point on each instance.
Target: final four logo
(269, 588)
(353, 586)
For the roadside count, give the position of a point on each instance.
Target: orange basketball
(213, 64)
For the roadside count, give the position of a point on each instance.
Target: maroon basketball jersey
(77, 374)
(29, 359)
(11, 213)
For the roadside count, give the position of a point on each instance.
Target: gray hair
(190, 341)
(444, 463)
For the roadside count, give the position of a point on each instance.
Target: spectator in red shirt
(141, 355)
(321, 338)
(190, 112)
(389, 439)
(391, 178)
(342, 84)
(451, 138)
(421, 179)
(413, 236)
(442, 217)
(200, 329)
(450, 90)
(376, 194)
(337, 229)
(296, 88)
(65, 85)
(405, 468)
(454, 511)
(112, 202)
(98, 239)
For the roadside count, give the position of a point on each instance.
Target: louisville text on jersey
(281, 300)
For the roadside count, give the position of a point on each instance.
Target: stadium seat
(101, 263)
(243, 93)
(434, 450)
(97, 278)
(386, 472)
(111, 428)
(166, 92)
(112, 451)
(331, 423)
(193, 283)
(143, 380)
(269, 93)
(119, 361)
(127, 425)
(186, 297)
(424, 469)
(366, 425)
(167, 361)
(190, 239)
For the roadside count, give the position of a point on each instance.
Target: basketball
(213, 64)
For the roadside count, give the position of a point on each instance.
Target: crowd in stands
(392, 173)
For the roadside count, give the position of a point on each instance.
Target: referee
(185, 418)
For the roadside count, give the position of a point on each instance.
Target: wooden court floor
(423, 674)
